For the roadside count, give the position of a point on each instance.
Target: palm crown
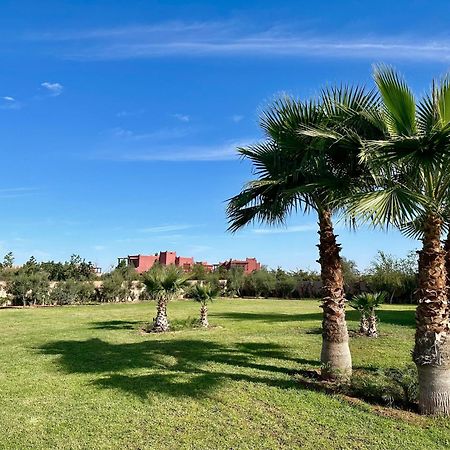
(310, 158)
(409, 162)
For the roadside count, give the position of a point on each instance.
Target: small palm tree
(359, 302)
(204, 293)
(367, 303)
(163, 283)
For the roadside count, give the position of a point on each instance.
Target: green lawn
(85, 377)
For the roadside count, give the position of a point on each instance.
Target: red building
(249, 265)
(142, 263)
(206, 265)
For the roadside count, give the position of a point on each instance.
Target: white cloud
(176, 153)
(167, 133)
(7, 102)
(17, 192)
(165, 228)
(182, 117)
(291, 229)
(202, 39)
(236, 118)
(125, 113)
(54, 89)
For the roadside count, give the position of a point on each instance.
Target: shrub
(28, 288)
(391, 387)
(376, 387)
(72, 292)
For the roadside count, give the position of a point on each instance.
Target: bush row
(74, 281)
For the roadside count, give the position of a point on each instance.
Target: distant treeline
(75, 281)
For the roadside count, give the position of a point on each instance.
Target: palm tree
(204, 293)
(163, 283)
(359, 302)
(367, 303)
(307, 162)
(410, 165)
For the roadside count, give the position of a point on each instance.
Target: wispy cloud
(161, 134)
(126, 113)
(182, 117)
(54, 89)
(291, 229)
(8, 102)
(17, 192)
(175, 153)
(236, 118)
(230, 39)
(165, 228)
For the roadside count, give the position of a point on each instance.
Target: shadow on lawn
(393, 317)
(116, 325)
(175, 367)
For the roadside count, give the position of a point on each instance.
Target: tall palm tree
(410, 165)
(163, 283)
(308, 162)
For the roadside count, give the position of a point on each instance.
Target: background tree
(235, 281)
(28, 288)
(396, 276)
(285, 283)
(8, 260)
(70, 292)
(198, 272)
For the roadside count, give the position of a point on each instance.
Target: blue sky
(118, 120)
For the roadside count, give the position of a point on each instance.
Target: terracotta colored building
(142, 263)
(249, 265)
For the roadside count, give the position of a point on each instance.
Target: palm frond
(443, 101)
(398, 101)
(394, 205)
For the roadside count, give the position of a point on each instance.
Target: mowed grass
(86, 377)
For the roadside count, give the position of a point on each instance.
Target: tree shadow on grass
(267, 317)
(405, 318)
(182, 367)
(393, 317)
(116, 325)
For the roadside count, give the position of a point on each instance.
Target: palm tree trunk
(447, 269)
(335, 355)
(372, 330)
(204, 316)
(363, 323)
(161, 322)
(432, 346)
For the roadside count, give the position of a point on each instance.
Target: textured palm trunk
(204, 316)
(335, 355)
(432, 350)
(161, 322)
(372, 329)
(363, 324)
(447, 269)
